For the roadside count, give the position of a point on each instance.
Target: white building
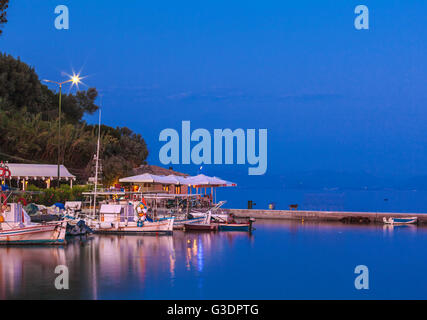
(23, 172)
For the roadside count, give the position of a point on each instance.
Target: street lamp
(75, 79)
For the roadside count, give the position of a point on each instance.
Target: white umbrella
(228, 183)
(203, 180)
(165, 180)
(142, 178)
(178, 179)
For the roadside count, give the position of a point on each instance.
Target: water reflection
(389, 229)
(202, 265)
(99, 265)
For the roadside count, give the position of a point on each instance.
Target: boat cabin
(14, 213)
(116, 213)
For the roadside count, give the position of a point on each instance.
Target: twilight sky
(332, 97)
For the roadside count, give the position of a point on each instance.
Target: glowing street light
(75, 79)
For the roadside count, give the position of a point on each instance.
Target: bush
(50, 196)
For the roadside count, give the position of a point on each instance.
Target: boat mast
(97, 160)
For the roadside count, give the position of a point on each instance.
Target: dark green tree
(28, 127)
(4, 4)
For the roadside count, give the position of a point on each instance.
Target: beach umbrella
(204, 180)
(228, 183)
(142, 178)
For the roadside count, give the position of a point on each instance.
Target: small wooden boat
(199, 227)
(206, 225)
(178, 224)
(235, 226)
(230, 224)
(400, 220)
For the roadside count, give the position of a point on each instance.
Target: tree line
(29, 127)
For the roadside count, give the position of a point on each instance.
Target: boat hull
(148, 228)
(179, 224)
(199, 227)
(235, 227)
(53, 233)
(395, 220)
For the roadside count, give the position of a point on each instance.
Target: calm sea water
(280, 260)
(344, 200)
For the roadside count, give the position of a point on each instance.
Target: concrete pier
(351, 217)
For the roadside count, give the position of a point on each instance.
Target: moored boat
(200, 227)
(230, 224)
(16, 228)
(179, 223)
(205, 225)
(121, 219)
(235, 227)
(400, 220)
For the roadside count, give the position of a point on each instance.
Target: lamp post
(75, 79)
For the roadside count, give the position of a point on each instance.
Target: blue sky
(332, 97)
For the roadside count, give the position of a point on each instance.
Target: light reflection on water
(280, 260)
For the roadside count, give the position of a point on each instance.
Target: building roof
(152, 169)
(24, 170)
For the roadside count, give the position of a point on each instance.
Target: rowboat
(235, 227)
(16, 228)
(200, 227)
(400, 220)
(206, 225)
(178, 224)
(230, 224)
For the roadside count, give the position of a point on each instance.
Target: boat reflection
(101, 266)
(390, 228)
(19, 266)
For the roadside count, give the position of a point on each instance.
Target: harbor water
(279, 260)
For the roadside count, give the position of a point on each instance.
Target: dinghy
(400, 220)
(179, 223)
(232, 225)
(247, 227)
(206, 225)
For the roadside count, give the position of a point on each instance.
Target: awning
(43, 171)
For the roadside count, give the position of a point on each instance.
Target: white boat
(16, 228)
(400, 220)
(123, 219)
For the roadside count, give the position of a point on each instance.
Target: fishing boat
(76, 220)
(16, 228)
(206, 225)
(123, 219)
(400, 220)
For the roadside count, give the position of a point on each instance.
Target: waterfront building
(22, 173)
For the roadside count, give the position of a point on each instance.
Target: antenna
(97, 158)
